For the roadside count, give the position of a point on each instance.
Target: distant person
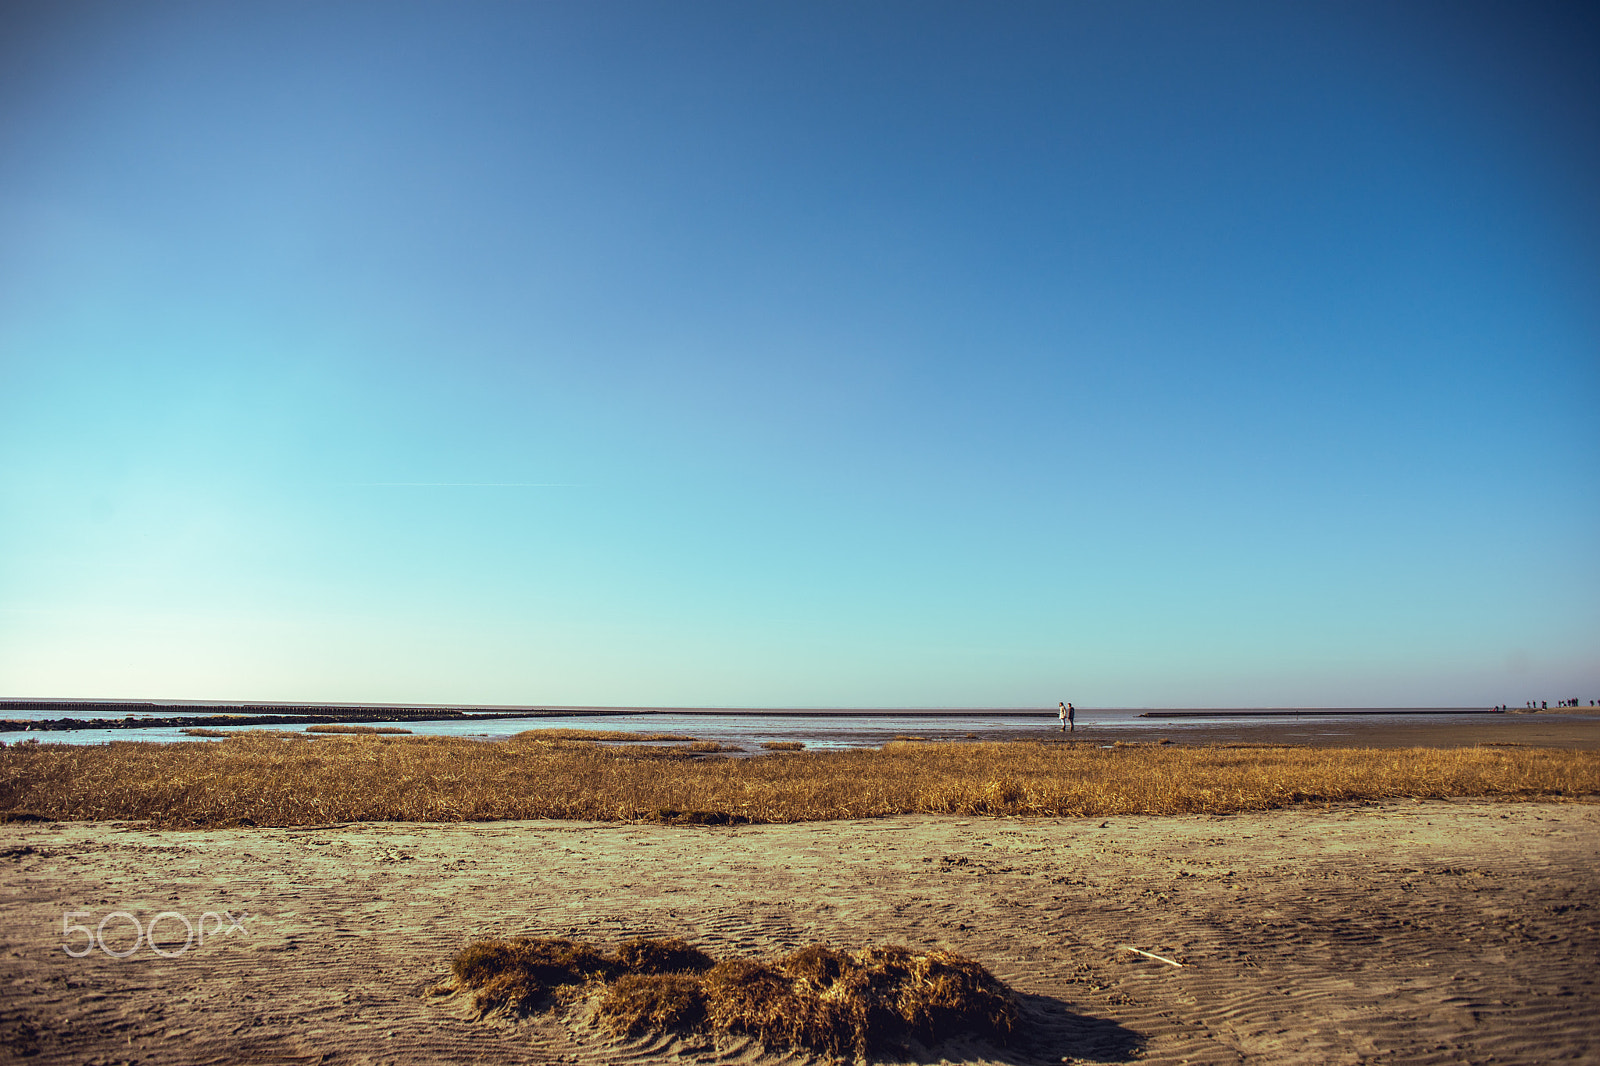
(1061, 713)
(1072, 714)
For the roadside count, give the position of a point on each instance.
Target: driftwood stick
(1148, 955)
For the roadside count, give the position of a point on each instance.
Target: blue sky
(894, 354)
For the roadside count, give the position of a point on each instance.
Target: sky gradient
(892, 354)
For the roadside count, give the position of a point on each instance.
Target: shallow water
(816, 731)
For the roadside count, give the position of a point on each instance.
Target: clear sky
(816, 354)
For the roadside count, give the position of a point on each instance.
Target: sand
(1408, 932)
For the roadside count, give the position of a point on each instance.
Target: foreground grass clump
(281, 779)
(517, 974)
(841, 1003)
(871, 1000)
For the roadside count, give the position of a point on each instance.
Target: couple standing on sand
(1068, 713)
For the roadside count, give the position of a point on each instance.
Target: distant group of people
(1068, 715)
(1544, 705)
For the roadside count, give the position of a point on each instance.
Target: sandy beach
(1405, 932)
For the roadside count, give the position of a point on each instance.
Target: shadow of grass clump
(839, 1003)
(673, 816)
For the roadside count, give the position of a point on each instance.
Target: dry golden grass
(519, 974)
(646, 956)
(598, 734)
(711, 747)
(288, 779)
(636, 1004)
(841, 1003)
(782, 745)
(851, 1004)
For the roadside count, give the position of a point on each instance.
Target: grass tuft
(636, 1004)
(646, 956)
(617, 735)
(516, 975)
(839, 1003)
(783, 745)
(365, 730)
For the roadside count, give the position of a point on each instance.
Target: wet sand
(1412, 932)
(1574, 729)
